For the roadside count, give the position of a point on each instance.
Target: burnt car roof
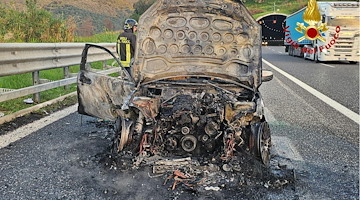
(213, 38)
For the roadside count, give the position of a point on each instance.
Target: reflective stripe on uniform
(125, 43)
(128, 55)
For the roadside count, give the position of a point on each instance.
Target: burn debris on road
(199, 174)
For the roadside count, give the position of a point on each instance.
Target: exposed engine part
(211, 128)
(204, 138)
(171, 143)
(164, 125)
(185, 130)
(199, 120)
(188, 143)
(193, 121)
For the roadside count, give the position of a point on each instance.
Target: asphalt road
(337, 80)
(65, 159)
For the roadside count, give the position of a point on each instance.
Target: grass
(57, 106)
(98, 38)
(16, 81)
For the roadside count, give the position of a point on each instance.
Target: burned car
(195, 84)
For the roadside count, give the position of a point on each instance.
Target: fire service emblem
(312, 18)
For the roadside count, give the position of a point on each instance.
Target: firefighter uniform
(126, 47)
(126, 43)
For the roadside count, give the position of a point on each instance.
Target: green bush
(32, 25)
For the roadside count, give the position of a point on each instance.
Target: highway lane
(339, 81)
(326, 141)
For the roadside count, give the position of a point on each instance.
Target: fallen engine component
(188, 143)
(164, 166)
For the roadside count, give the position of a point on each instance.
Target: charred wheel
(260, 141)
(116, 140)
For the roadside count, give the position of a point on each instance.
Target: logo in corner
(312, 18)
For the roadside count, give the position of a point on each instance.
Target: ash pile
(202, 174)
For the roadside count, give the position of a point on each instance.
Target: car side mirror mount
(266, 75)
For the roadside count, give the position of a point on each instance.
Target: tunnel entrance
(272, 29)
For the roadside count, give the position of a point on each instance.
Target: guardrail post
(88, 66)
(104, 64)
(66, 75)
(36, 81)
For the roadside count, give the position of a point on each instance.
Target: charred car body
(195, 83)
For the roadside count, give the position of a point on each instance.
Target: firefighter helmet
(130, 23)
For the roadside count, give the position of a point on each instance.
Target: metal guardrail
(19, 58)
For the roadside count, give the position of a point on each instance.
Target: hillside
(90, 16)
(261, 7)
(107, 7)
(269, 6)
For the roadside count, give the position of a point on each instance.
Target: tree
(71, 28)
(108, 24)
(86, 28)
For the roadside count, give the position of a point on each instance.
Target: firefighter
(126, 43)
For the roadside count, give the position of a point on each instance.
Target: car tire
(116, 139)
(260, 142)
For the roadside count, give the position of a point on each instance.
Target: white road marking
(280, 52)
(26, 130)
(337, 106)
(327, 65)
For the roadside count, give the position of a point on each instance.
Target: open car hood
(215, 38)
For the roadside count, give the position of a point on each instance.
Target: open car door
(100, 95)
